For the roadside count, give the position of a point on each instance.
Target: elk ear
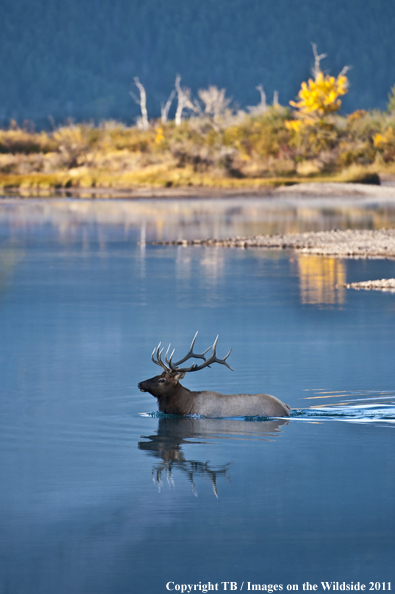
(179, 376)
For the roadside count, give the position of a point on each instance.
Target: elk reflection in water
(172, 433)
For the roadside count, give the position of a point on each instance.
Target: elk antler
(190, 355)
(172, 368)
(158, 360)
(211, 359)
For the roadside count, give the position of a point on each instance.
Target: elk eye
(162, 381)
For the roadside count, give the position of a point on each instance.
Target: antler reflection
(172, 433)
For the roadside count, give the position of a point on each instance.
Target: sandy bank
(336, 190)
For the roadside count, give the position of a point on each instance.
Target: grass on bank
(167, 179)
(239, 151)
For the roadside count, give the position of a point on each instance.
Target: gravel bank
(342, 244)
(385, 284)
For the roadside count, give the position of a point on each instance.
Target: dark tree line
(67, 58)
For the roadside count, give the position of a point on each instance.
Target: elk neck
(179, 401)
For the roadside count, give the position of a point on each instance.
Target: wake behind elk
(175, 399)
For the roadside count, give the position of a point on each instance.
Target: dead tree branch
(142, 121)
(262, 105)
(184, 101)
(215, 102)
(164, 109)
(317, 59)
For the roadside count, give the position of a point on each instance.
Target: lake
(102, 495)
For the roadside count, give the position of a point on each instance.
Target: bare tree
(317, 59)
(184, 101)
(262, 105)
(262, 93)
(215, 102)
(275, 99)
(164, 109)
(142, 121)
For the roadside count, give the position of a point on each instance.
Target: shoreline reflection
(200, 218)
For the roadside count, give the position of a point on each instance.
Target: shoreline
(311, 189)
(181, 192)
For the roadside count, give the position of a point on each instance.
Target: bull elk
(174, 399)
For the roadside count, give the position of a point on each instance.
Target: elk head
(167, 383)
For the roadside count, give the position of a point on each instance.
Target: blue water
(101, 494)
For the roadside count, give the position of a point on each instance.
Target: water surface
(101, 494)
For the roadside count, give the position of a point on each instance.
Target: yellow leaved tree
(319, 97)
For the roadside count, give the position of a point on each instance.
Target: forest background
(64, 63)
(78, 59)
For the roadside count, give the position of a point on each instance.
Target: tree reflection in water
(173, 432)
(321, 279)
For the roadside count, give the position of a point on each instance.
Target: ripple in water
(355, 407)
